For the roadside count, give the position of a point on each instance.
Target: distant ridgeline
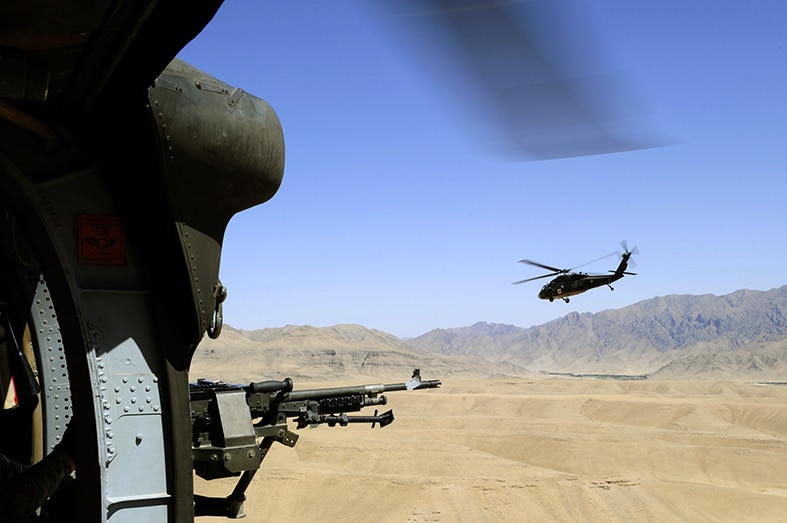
(741, 336)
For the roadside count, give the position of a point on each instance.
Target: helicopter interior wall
(29, 432)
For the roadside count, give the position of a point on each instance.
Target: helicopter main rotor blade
(547, 267)
(521, 81)
(614, 253)
(536, 278)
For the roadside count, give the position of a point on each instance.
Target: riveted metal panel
(52, 369)
(137, 445)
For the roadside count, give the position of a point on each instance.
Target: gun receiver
(227, 420)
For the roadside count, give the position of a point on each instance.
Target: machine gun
(227, 420)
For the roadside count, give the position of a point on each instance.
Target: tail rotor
(634, 250)
(627, 253)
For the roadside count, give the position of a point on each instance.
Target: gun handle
(284, 385)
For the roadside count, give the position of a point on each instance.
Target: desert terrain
(540, 449)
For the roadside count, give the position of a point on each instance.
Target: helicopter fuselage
(567, 285)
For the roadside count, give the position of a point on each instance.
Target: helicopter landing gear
(551, 299)
(566, 300)
(610, 287)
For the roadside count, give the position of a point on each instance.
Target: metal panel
(52, 369)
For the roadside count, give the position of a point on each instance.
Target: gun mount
(234, 426)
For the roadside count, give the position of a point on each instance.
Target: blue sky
(394, 213)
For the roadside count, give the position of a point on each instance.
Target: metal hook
(217, 321)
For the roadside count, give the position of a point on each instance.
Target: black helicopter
(569, 283)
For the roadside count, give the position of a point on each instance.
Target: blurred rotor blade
(516, 55)
(547, 267)
(634, 250)
(536, 278)
(613, 253)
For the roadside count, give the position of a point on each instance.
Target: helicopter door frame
(124, 368)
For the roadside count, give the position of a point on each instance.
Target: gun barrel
(391, 387)
(311, 394)
(429, 384)
(316, 394)
(412, 385)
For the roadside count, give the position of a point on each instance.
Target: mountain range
(742, 335)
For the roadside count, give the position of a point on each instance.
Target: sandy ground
(539, 450)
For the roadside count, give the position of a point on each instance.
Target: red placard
(101, 240)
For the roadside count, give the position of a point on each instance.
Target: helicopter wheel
(566, 300)
(551, 299)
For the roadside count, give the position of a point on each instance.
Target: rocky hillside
(638, 339)
(326, 354)
(741, 335)
(766, 362)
